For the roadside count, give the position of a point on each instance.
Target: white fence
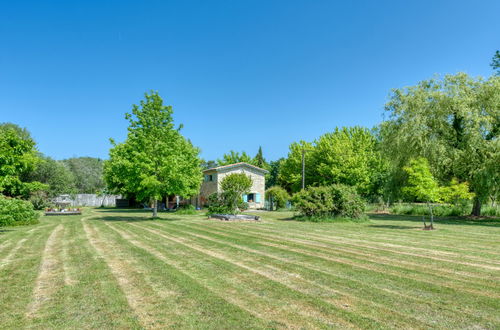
(89, 199)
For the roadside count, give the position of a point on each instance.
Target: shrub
(223, 203)
(278, 197)
(14, 212)
(187, 209)
(330, 201)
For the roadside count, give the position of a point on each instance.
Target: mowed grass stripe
(275, 265)
(21, 275)
(407, 289)
(440, 256)
(140, 297)
(404, 232)
(188, 303)
(92, 299)
(279, 302)
(342, 247)
(50, 275)
(380, 259)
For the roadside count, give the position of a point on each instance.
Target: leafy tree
(18, 157)
(155, 160)
(290, 173)
(234, 157)
(259, 160)
(235, 186)
(456, 192)
(55, 174)
(88, 174)
(349, 156)
(495, 62)
(205, 165)
(422, 185)
(453, 122)
(274, 169)
(278, 197)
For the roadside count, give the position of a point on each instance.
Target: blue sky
(239, 74)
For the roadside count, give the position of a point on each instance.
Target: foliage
(234, 157)
(274, 169)
(495, 62)
(422, 186)
(456, 192)
(259, 160)
(40, 200)
(278, 197)
(88, 174)
(226, 202)
(17, 158)
(349, 156)
(15, 212)
(240, 183)
(453, 122)
(233, 186)
(55, 175)
(186, 209)
(205, 165)
(290, 173)
(336, 200)
(155, 160)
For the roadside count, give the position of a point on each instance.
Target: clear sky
(239, 73)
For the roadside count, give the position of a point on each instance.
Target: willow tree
(155, 160)
(454, 122)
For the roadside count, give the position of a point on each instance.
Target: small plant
(15, 212)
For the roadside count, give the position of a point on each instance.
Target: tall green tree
(454, 122)
(259, 160)
(88, 174)
(18, 157)
(274, 169)
(155, 160)
(349, 156)
(495, 62)
(290, 173)
(234, 157)
(55, 175)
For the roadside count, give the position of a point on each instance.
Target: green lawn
(116, 269)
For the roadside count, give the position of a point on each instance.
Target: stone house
(212, 179)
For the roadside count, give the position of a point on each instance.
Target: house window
(209, 177)
(251, 198)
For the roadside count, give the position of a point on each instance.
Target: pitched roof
(220, 168)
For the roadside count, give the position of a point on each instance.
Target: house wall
(208, 187)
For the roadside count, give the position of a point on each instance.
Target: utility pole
(303, 168)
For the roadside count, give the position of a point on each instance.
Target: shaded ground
(118, 269)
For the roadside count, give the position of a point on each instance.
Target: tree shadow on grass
(2, 231)
(394, 227)
(462, 221)
(120, 218)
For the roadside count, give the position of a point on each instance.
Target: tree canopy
(233, 157)
(155, 160)
(18, 157)
(88, 174)
(454, 122)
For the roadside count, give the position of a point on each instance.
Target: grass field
(116, 269)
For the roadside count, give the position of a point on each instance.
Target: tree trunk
(432, 217)
(476, 209)
(155, 208)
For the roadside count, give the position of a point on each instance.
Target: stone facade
(213, 178)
